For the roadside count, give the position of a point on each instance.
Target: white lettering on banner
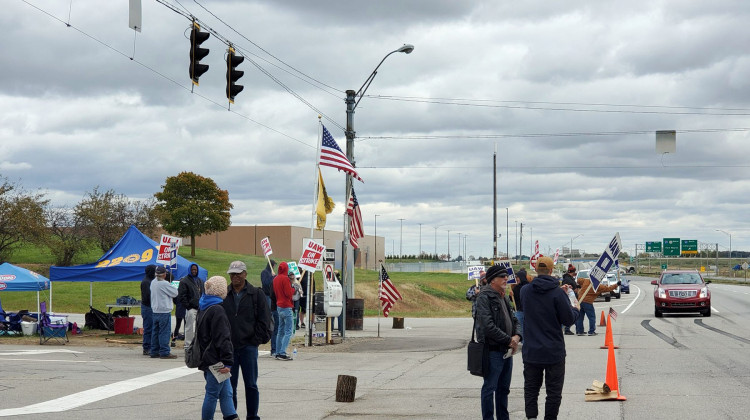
(311, 256)
(509, 269)
(266, 244)
(475, 272)
(605, 262)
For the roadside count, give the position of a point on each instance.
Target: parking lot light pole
(351, 101)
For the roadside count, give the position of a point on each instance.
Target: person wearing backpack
(250, 321)
(215, 339)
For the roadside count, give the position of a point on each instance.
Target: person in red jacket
(282, 288)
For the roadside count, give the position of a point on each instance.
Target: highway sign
(689, 246)
(672, 247)
(653, 246)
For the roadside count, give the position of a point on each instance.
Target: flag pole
(380, 292)
(311, 316)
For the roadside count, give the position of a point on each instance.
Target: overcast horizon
(569, 94)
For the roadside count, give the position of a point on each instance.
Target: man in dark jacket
(522, 280)
(569, 278)
(266, 282)
(499, 330)
(546, 307)
(189, 292)
(215, 338)
(146, 313)
(250, 321)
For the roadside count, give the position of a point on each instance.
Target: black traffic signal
(233, 75)
(196, 53)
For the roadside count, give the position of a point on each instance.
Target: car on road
(625, 285)
(680, 291)
(610, 279)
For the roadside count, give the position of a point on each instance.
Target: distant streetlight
(436, 254)
(459, 244)
(401, 241)
(507, 236)
(420, 241)
(516, 237)
(730, 247)
(449, 244)
(571, 244)
(376, 242)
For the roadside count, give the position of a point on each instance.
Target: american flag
(331, 155)
(388, 293)
(356, 230)
(613, 313)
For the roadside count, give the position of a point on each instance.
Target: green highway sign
(671, 247)
(653, 246)
(689, 246)
(663, 266)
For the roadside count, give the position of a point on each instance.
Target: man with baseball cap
(250, 322)
(499, 330)
(162, 304)
(546, 306)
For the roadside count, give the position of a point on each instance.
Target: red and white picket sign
(536, 256)
(266, 244)
(311, 256)
(168, 246)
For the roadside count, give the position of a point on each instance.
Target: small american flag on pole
(388, 293)
(613, 313)
(331, 155)
(356, 230)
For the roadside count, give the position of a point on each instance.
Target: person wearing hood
(499, 330)
(282, 288)
(215, 338)
(189, 293)
(522, 279)
(546, 306)
(146, 312)
(266, 282)
(569, 278)
(250, 323)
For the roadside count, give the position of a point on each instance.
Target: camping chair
(4, 322)
(49, 330)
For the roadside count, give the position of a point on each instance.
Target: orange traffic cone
(602, 322)
(608, 341)
(611, 380)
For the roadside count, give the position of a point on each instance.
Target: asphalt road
(678, 366)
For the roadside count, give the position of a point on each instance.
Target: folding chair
(4, 322)
(49, 330)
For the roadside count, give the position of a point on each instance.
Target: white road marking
(79, 399)
(40, 351)
(50, 360)
(635, 299)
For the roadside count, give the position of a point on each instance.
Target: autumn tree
(68, 234)
(108, 215)
(192, 205)
(21, 217)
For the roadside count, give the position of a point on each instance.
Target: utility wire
(146, 66)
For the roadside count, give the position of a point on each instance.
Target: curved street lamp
(351, 105)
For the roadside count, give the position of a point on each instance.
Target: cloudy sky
(570, 94)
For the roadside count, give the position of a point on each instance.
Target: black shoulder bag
(478, 355)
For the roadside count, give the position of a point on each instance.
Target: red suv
(681, 291)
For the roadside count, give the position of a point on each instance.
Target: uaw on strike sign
(168, 250)
(311, 256)
(606, 261)
(266, 244)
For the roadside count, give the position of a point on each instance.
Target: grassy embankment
(425, 294)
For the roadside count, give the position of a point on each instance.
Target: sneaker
(580, 334)
(303, 325)
(169, 356)
(146, 353)
(283, 357)
(569, 333)
(173, 344)
(592, 333)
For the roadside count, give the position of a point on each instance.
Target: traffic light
(233, 75)
(196, 53)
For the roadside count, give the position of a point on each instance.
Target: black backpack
(193, 352)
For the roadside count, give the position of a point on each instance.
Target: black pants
(553, 376)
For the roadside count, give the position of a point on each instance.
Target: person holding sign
(587, 295)
(282, 288)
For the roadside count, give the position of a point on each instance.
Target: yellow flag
(325, 204)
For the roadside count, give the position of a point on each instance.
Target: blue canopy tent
(19, 279)
(125, 261)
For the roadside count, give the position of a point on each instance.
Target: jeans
(588, 310)
(148, 325)
(217, 391)
(246, 359)
(532, 382)
(285, 330)
(519, 317)
(160, 334)
(275, 332)
(496, 386)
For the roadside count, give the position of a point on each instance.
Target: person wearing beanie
(546, 306)
(215, 338)
(162, 294)
(250, 325)
(282, 288)
(146, 313)
(499, 330)
(569, 278)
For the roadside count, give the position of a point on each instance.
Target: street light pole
(401, 241)
(351, 104)
(449, 244)
(507, 236)
(730, 247)
(420, 241)
(516, 239)
(436, 254)
(376, 242)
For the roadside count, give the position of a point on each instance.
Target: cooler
(28, 328)
(124, 325)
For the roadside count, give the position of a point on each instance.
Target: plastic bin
(28, 328)
(124, 325)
